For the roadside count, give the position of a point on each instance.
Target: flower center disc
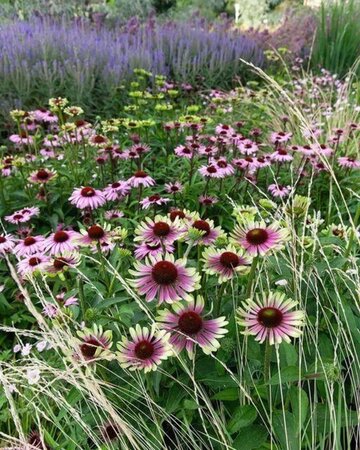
(190, 322)
(95, 232)
(88, 348)
(61, 236)
(154, 198)
(59, 263)
(115, 185)
(257, 236)
(270, 317)
(42, 174)
(2, 239)
(29, 241)
(175, 214)
(140, 174)
(229, 260)
(87, 191)
(202, 225)
(34, 261)
(161, 229)
(144, 349)
(164, 272)
(211, 169)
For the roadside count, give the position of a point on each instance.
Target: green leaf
(190, 404)
(299, 405)
(285, 428)
(227, 394)
(242, 417)
(286, 375)
(250, 438)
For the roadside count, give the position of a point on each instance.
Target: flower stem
(251, 277)
(268, 351)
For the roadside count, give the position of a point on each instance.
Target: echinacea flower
(223, 167)
(279, 191)
(17, 218)
(141, 178)
(209, 232)
(29, 245)
(66, 302)
(117, 190)
(146, 349)
(61, 263)
(348, 162)
(210, 171)
(281, 155)
(164, 278)
(94, 235)
(158, 231)
(94, 343)
(113, 214)
(150, 249)
(7, 243)
(207, 200)
(226, 262)
(32, 263)
(61, 241)
(188, 327)
(87, 197)
(154, 199)
(41, 176)
(184, 152)
(270, 317)
(257, 238)
(174, 188)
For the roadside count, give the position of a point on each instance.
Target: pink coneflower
(32, 263)
(140, 149)
(181, 214)
(209, 232)
(94, 235)
(29, 245)
(184, 151)
(87, 197)
(165, 278)
(207, 200)
(66, 302)
(279, 191)
(98, 140)
(348, 162)
(113, 214)
(146, 349)
(225, 263)
(281, 155)
(224, 130)
(249, 163)
(248, 147)
(41, 176)
(95, 343)
(117, 190)
(322, 149)
(188, 327)
(223, 166)
(59, 264)
(141, 178)
(279, 137)
(210, 171)
(149, 249)
(174, 188)
(155, 199)
(7, 243)
(258, 239)
(208, 150)
(271, 318)
(61, 241)
(50, 310)
(22, 138)
(47, 153)
(158, 231)
(17, 218)
(30, 211)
